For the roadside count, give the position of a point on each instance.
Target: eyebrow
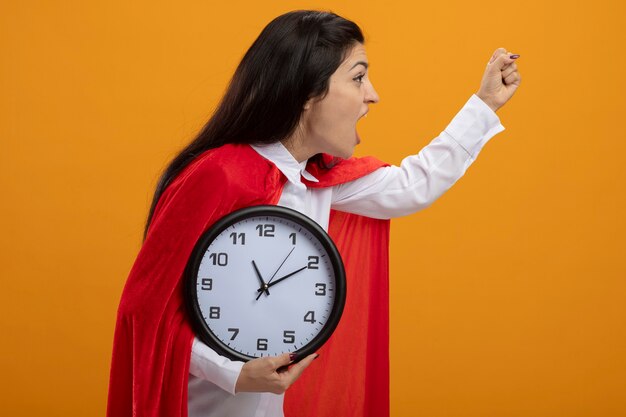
(365, 64)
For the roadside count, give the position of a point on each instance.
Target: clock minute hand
(281, 264)
(264, 286)
(271, 284)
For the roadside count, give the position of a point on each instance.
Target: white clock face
(265, 286)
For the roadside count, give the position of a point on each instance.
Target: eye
(359, 78)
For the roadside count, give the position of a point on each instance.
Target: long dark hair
(291, 61)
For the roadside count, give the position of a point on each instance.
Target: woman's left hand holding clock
(271, 374)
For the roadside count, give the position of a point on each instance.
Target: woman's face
(330, 124)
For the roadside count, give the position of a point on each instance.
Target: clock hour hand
(271, 284)
(264, 286)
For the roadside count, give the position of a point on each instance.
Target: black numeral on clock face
(235, 332)
(220, 259)
(313, 262)
(238, 237)
(289, 336)
(265, 230)
(293, 238)
(207, 284)
(320, 289)
(309, 317)
(261, 344)
(214, 313)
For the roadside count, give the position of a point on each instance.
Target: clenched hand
(500, 80)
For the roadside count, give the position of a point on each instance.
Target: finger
(497, 53)
(513, 78)
(502, 61)
(509, 70)
(511, 67)
(296, 370)
(282, 360)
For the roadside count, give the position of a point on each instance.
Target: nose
(371, 96)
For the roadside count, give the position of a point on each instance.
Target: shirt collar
(285, 162)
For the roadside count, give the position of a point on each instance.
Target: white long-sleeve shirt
(385, 193)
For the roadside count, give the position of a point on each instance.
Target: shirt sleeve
(420, 179)
(207, 364)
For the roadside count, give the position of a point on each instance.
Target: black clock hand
(268, 282)
(264, 286)
(283, 278)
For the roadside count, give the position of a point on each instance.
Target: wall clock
(262, 281)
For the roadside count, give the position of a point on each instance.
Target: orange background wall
(508, 295)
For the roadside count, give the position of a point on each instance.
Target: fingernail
(292, 357)
(514, 56)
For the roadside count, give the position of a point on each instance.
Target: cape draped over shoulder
(153, 336)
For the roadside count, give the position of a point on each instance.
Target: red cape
(153, 336)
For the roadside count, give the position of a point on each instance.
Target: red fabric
(153, 337)
(351, 376)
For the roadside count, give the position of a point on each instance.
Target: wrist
(487, 101)
(241, 385)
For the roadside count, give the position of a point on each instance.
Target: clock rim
(201, 328)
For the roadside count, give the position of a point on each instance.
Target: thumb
(501, 61)
(496, 54)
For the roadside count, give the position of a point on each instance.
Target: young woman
(284, 134)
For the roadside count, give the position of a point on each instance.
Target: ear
(310, 102)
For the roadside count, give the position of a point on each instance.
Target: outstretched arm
(422, 178)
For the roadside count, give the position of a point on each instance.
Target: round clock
(262, 281)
